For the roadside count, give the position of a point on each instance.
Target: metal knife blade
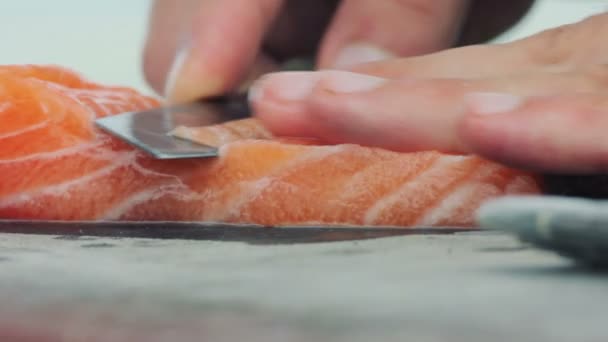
(150, 130)
(213, 231)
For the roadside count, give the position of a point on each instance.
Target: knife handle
(232, 106)
(235, 105)
(299, 64)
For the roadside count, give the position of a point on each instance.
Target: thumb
(365, 31)
(219, 44)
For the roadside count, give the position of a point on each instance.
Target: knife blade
(150, 130)
(214, 231)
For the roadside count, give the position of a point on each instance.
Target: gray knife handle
(574, 227)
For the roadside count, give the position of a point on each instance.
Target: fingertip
(220, 46)
(370, 31)
(166, 23)
(284, 120)
(312, 104)
(300, 85)
(352, 54)
(279, 100)
(191, 78)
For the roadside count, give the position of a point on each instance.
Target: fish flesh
(56, 165)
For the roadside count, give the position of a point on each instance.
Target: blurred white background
(103, 39)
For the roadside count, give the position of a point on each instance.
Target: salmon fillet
(55, 164)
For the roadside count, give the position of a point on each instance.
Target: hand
(539, 103)
(198, 48)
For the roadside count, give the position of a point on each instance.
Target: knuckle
(441, 88)
(550, 47)
(569, 44)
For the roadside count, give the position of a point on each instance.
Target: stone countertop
(471, 287)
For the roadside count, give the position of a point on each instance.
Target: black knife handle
(235, 105)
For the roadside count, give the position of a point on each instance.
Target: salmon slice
(218, 135)
(56, 165)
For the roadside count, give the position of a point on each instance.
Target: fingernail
(188, 79)
(350, 82)
(288, 85)
(298, 85)
(360, 53)
(256, 90)
(492, 103)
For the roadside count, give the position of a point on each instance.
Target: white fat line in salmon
(94, 148)
(28, 129)
(63, 188)
(147, 172)
(470, 189)
(519, 184)
(438, 167)
(250, 190)
(178, 191)
(107, 101)
(5, 105)
(352, 187)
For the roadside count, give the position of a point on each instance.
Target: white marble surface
(103, 39)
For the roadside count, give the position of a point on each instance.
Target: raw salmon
(55, 164)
